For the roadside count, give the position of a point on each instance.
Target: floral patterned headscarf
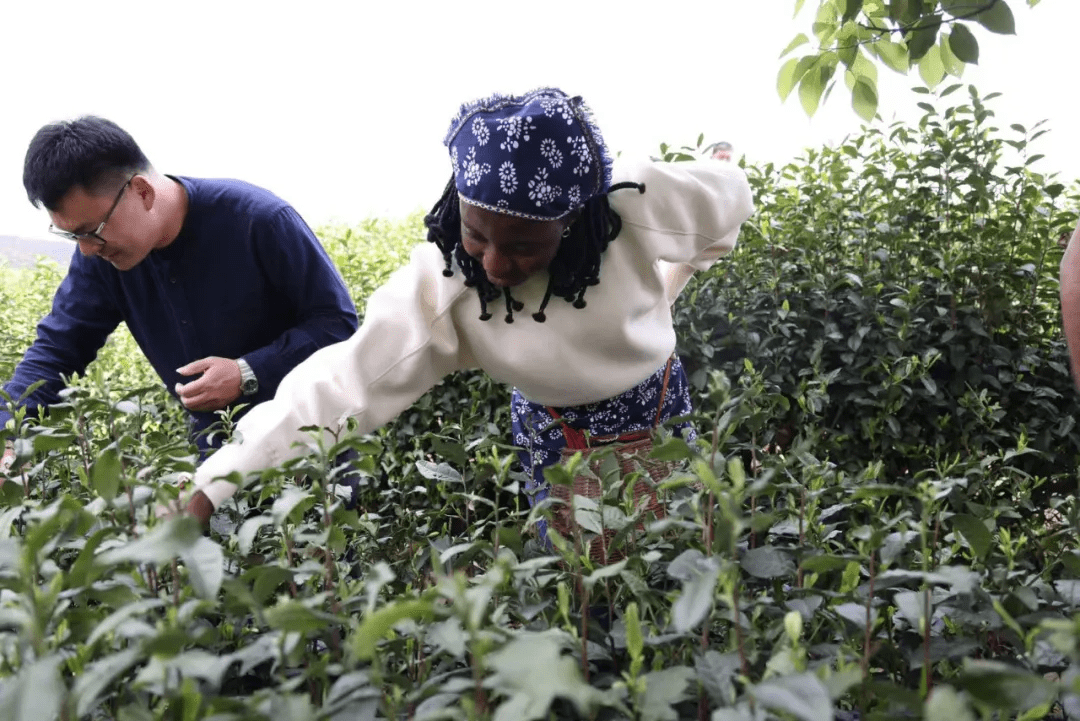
(536, 156)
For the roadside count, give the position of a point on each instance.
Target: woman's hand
(200, 507)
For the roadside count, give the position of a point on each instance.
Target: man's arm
(1070, 301)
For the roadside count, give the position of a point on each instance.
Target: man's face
(128, 234)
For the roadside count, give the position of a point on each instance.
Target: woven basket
(631, 456)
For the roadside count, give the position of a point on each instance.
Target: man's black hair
(88, 152)
(576, 265)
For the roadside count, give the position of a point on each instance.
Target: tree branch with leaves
(855, 36)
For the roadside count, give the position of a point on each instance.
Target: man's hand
(218, 387)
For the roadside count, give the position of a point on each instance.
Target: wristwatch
(249, 384)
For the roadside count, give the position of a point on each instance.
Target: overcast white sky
(340, 107)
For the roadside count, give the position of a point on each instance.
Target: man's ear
(145, 190)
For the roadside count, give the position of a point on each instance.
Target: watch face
(249, 386)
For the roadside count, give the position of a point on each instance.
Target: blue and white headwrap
(536, 156)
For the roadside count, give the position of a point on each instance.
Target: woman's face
(510, 249)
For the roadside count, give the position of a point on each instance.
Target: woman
(583, 258)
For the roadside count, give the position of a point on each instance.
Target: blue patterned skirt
(541, 439)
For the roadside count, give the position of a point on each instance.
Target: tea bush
(877, 522)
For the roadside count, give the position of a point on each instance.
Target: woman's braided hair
(576, 265)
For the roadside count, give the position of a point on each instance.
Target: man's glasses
(93, 236)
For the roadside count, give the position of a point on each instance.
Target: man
(221, 283)
(1070, 301)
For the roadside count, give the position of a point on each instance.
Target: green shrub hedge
(883, 526)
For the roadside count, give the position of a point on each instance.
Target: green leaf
(767, 562)
(448, 636)
(52, 440)
(817, 564)
(717, 673)
(35, 694)
(442, 472)
(894, 55)
(162, 543)
(116, 618)
(245, 537)
(346, 692)
(267, 580)
(24, 450)
(953, 65)
(635, 642)
(923, 37)
(376, 625)
(810, 91)
(800, 39)
(741, 712)
(851, 9)
(998, 18)
(826, 23)
(912, 604)
(529, 694)
(205, 563)
(83, 570)
(861, 67)
(1003, 685)
(963, 44)
(608, 571)
(931, 67)
(791, 73)
(975, 533)
(672, 449)
(288, 501)
(813, 82)
(696, 600)
(945, 704)
(105, 474)
(840, 682)
(802, 695)
(664, 689)
(95, 679)
(290, 615)
(864, 98)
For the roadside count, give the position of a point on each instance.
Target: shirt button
(172, 280)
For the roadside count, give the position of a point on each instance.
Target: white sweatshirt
(421, 326)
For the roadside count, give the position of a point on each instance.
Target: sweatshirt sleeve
(705, 202)
(407, 343)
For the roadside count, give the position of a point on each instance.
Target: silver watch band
(249, 384)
